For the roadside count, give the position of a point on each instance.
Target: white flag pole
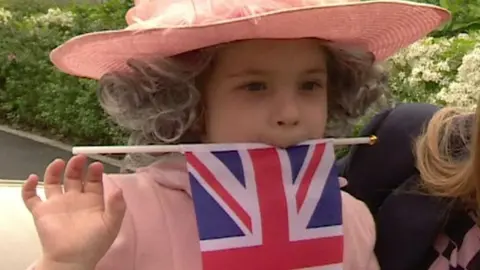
(182, 147)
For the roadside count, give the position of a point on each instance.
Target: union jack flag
(262, 208)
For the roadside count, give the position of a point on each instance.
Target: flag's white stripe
(228, 243)
(287, 176)
(251, 205)
(298, 221)
(218, 199)
(317, 186)
(224, 176)
(251, 200)
(301, 173)
(316, 233)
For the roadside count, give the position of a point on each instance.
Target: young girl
(449, 164)
(272, 71)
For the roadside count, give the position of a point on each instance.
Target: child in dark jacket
(425, 205)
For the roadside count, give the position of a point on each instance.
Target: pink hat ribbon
(150, 14)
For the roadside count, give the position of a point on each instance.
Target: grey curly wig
(158, 101)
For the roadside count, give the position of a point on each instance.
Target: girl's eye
(255, 86)
(311, 85)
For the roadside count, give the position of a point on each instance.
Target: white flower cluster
(465, 89)
(444, 71)
(53, 16)
(420, 62)
(5, 16)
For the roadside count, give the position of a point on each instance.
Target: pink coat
(159, 230)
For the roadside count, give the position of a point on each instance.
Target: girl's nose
(287, 113)
(292, 122)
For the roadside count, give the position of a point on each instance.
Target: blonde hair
(448, 156)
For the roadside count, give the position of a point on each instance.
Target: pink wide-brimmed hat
(163, 28)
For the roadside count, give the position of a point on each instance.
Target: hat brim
(381, 27)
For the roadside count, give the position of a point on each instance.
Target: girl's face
(267, 91)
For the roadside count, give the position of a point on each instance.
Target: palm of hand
(72, 218)
(75, 226)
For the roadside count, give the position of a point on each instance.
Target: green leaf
(445, 4)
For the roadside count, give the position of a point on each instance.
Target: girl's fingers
(29, 192)
(74, 174)
(342, 181)
(114, 212)
(93, 179)
(53, 178)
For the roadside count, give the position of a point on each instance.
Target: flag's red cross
(277, 251)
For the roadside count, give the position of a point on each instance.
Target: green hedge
(441, 69)
(33, 94)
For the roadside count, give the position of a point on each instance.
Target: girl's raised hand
(76, 226)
